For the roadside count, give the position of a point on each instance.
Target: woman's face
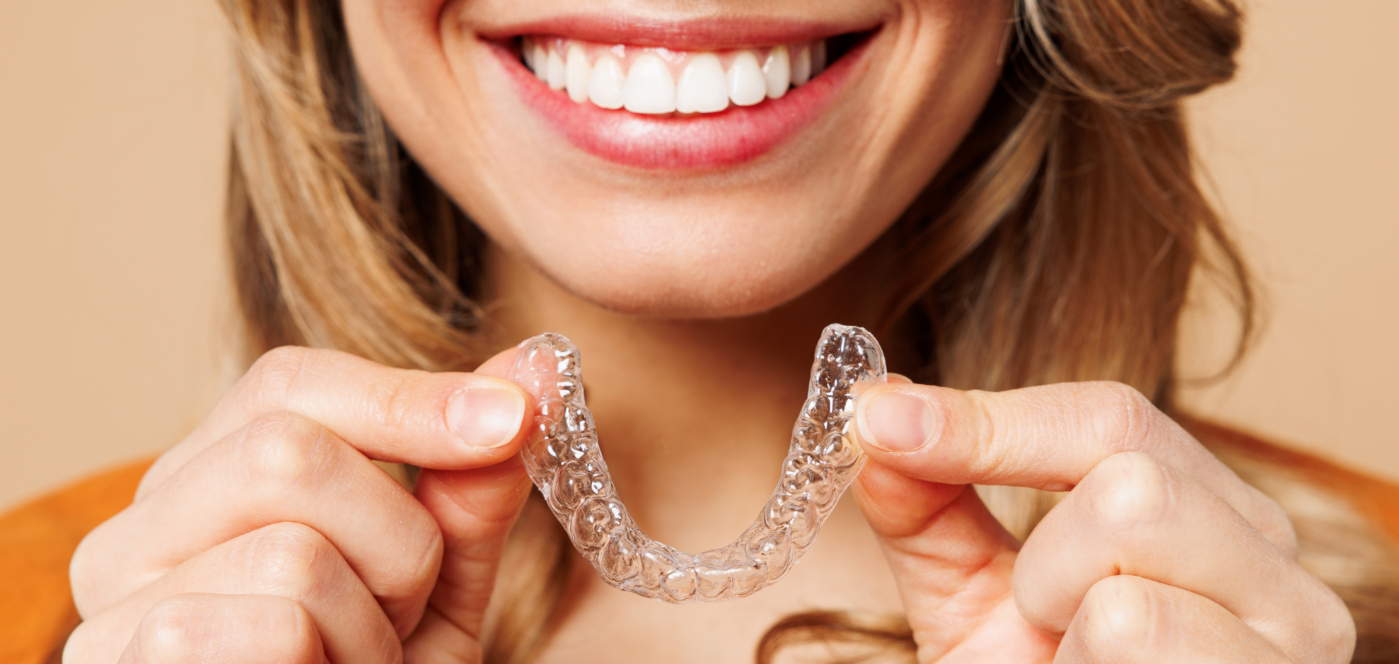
(701, 213)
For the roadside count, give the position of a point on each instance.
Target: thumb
(951, 558)
(952, 562)
(475, 509)
(922, 523)
(926, 526)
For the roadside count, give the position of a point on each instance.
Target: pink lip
(701, 142)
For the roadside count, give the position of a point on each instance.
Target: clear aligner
(563, 459)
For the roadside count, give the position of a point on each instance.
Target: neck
(694, 416)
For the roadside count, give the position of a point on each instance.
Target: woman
(1001, 192)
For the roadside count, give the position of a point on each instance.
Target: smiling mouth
(679, 96)
(652, 80)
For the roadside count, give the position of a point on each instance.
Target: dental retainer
(563, 459)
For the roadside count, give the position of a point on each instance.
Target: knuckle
(272, 377)
(186, 628)
(1335, 632)
(282, 451)
(417, 571)
(397, 402)
(167, 633)
(1129, 490)
(1273, 523)
(992, 462)
(83, 644)
(1120, 615)
(289, 559)
(300, 640)
(102, 566)
(285, 630)
(1123, 416)
(83, 576)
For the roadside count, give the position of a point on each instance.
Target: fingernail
(898, 422)
(484, 417)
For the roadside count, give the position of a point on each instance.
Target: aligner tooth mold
(563, 459)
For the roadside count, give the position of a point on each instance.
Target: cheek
(944, 66)
(398, 53)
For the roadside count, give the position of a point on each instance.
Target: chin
(687, 287)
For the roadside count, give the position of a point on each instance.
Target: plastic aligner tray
(563, 459)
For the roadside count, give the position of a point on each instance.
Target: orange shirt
(37, 539)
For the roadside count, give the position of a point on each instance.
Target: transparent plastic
(563, 459)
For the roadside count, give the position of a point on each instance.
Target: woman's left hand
(1159, 553)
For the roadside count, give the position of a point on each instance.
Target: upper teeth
(658, 80)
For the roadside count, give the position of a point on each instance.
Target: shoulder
(37, 539)
(1372, 497)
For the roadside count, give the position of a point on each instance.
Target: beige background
(112, 305)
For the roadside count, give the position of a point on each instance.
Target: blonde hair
(1057, 244)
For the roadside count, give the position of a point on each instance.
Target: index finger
(1046, 437)
(451, 421)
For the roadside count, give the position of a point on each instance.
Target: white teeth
(746, 84)
(801, 65)
(541, 60)
(557, 76)
(644, 80)
(577, 73)
(702, 88)
(650, 87)
(777, 72)
(606, 89)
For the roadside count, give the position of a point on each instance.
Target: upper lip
(691, 34)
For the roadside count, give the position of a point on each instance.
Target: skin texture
(725, 243)
(268, 534)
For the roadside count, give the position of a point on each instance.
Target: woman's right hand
(268, 535)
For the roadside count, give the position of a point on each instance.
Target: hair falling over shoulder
(1057, 244)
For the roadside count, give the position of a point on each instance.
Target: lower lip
(701, 142)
